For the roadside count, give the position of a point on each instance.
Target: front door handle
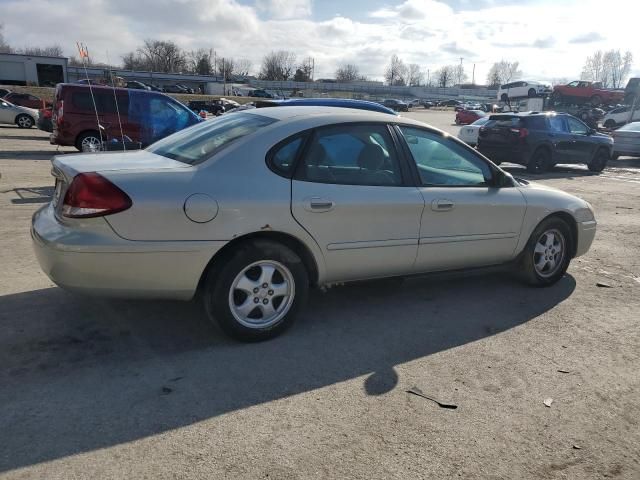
(318, 204)
(442, 205)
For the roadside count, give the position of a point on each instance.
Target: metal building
(17, 69)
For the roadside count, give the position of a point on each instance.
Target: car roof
(328, 102)
(328, 115)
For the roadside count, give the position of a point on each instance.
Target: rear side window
(536, 123)
(282, 157)
(105, 103)
(509, 122)
(197, 144)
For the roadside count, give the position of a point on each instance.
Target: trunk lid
(71, 165)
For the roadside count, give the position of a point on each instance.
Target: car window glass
(442, 162)
(352, 155)
(283, 157)
(557, 124)
(630, 127)
(197, 144)
(576, 126)
(536, 123)
(573, 84)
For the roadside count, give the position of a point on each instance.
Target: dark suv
(396, 105)
(541, 140)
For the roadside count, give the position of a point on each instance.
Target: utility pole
(460, 72)
(473, 81)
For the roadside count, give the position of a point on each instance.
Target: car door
(466, 221)
(7, 113)
(561, 138)
(351, 193)
(582, 146)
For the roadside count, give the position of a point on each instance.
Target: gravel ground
(121, 389)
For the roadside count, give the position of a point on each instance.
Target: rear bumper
(586, 234)
(96, 261)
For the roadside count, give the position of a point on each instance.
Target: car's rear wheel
(596, 100)
(257, 292)
(540, 161)
(531, 93)
(89, 142)
(24, 121)
(546, 257)
(599, 161)
(610, 123)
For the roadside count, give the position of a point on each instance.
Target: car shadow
(558, 171)
(28, 154)
(25, 137)
(80, 374)
(32, 195)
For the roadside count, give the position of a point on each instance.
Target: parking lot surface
(95, 388)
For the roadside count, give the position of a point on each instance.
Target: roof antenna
(84, 54)
(115, 99)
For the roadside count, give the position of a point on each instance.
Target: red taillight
(92, 195)
(59, 111)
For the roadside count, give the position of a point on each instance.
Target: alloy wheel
(91, 144)
(549, 252)
(261, 294)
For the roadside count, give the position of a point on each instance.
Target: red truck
(583, 91)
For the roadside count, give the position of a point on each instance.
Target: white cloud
(285, 8)
(426, 32)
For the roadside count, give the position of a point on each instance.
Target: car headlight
(585, 214)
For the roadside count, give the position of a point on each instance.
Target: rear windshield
(198, 143)
(508, 122)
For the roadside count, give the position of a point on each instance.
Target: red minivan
(85, 116)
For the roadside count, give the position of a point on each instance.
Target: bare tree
(414, 75)
(396, 71)
(503, 72)
(199, 61)
(304, 71)
(278, 65)
(609, 68)
(225, 67)
(559, 81)
(4, 46)
(460, 75)
(347, 73)
(50, 51)
(446, 76)
(159, 56)
(242, 67)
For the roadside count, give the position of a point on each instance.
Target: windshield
(630, 127)
(198, 143)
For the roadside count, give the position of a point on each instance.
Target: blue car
(327, 102)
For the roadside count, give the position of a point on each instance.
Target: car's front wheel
(599, 161)
(257, 292)
(546, 257)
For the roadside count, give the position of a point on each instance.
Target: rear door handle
(442, 205)
(318, 204)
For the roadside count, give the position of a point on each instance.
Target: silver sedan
(12, 114)
(250, 210)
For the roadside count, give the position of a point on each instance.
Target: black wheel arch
(571, 223)
(285, 239)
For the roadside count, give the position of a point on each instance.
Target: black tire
(540, 161)
(25, 121)
(596, 100)
(610, 124)
(217, 292)
(599, 161)
(615, 156)
(530, 258)
(531, 93)
(83, 138)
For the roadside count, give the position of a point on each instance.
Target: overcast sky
(550, 38)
